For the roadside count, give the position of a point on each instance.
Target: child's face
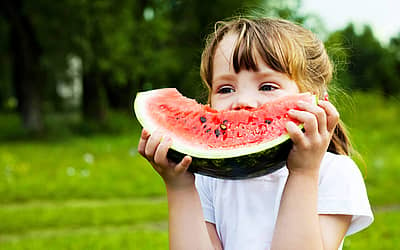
(246, 89)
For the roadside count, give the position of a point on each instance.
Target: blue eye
(267, 87)
(225, 90)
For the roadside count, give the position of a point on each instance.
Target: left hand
(309, 147)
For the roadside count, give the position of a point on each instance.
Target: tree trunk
(27, 75)
(94, 99)
(122, 96)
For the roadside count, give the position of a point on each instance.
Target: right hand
(154, 148)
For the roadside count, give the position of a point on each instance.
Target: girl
(312, 203)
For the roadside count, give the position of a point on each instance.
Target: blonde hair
(285, 47)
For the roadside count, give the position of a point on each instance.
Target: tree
(5, 75)
(124, 48)
(368, 65)
(394, 50)
(121, 51)
(27, 73)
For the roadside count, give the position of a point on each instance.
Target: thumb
(182, 166)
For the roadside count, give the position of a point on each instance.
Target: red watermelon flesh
(203, 132)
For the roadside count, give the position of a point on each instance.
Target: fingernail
(301, 103)
(326, 96)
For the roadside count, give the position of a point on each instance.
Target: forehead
(224, 53)
(227, 59)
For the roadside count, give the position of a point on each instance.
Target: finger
(295, 132)
(326, 96)
(308, 119)
(319, 113)
(160, 156)
(183, 165)
(332, 115)
(151, 146)
(142, 141)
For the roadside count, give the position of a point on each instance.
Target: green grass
(384, 233)
(93, 167)
(76, 189)
(21, 218)
(91, 239)
(373, 122)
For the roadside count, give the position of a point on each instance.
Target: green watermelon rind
(238, 163)
(241, 167)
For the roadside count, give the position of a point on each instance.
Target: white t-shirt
(245, 211)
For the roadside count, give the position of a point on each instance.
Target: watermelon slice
(233, 144)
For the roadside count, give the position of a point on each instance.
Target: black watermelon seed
(208, 130)
(217, 132)
(203, 119)
(204, 126)
(268, 121)
(222, 126)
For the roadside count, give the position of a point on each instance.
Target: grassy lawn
(96, 192)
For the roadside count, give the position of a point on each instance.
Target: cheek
(293, 87)
(298, 88)
(214, 102)
(295, 90)
(219, 103)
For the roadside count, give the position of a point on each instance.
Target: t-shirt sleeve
(204, 188)
(342, 191)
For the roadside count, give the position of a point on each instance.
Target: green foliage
(362, 62)
(5, 72)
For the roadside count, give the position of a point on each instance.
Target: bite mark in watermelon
(233, 144)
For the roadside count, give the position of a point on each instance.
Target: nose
(245, 101)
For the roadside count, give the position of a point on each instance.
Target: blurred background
(70, 174)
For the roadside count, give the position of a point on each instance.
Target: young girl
(312, 203)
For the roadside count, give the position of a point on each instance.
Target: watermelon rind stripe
(241, 167)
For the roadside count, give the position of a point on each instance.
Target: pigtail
(340, 142)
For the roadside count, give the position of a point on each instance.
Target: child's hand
(309, 147)
(154, 148)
